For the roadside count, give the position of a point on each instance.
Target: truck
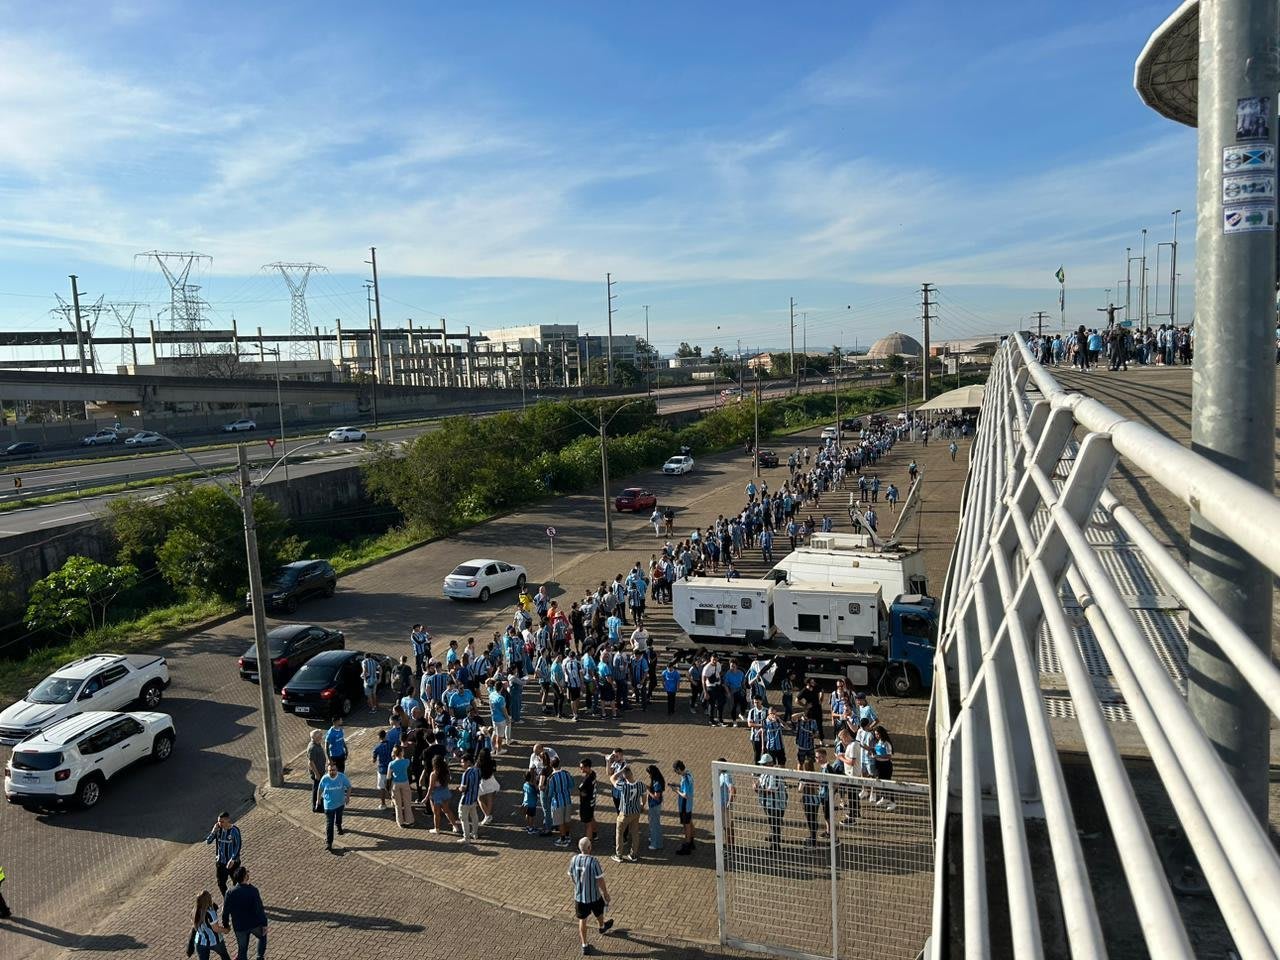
(811, 629)
(897, 571)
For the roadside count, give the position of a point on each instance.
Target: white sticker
(1246, 159)
(1249, 218)
(1244, 187)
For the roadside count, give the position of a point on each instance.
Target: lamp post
(284, 442)
(266, 689)
(604, 463)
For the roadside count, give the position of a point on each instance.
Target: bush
(77, 595)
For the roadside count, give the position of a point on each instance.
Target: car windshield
(464, 570)
(35, 760)
(54, 690)
(314, 674)
(631, 492)
(285, 575)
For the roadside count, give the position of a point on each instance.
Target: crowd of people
(1163, 346)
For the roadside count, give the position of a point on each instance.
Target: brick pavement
(374, 606)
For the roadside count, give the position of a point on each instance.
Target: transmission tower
(295, 278)
(186, 309)
(89, 314)
(124, 313)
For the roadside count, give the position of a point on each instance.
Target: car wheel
(330, 589)
(291, 605)
(89, 792)
(344, 708)
(520, 582)
(162, 749)
(152, 694)
(484, 594)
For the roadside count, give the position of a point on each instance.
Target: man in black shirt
(242, 912)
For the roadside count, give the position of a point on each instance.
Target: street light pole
(604, 481)
(266, 688)
(756, 448)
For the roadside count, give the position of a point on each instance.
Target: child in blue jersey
(529, 800)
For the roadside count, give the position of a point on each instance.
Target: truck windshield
(914, 625)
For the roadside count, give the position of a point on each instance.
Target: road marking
(74, 516)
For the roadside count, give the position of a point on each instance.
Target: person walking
(590, 892)
(401, 791)
(335, 790)
(671, 686)
(226, 840)
(684, 806)
(469, 800)
(560, 788)
(627, 829)
(316, 763)
(243, 913)
(953, 449)
(206, 932)
(335, 745)
(657, 788)
(420, 640)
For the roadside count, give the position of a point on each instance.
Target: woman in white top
(206, 932)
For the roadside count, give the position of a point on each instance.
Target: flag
(1062, 277)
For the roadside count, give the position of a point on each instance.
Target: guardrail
(1042, 581)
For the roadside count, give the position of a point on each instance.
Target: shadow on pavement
(22, 926)
(336, 920)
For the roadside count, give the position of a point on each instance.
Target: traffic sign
(271, 442)
(551, 532)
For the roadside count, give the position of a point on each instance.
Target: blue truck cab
(913, 638)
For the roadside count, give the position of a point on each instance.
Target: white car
(144, 438)
(236, 426)
(678, 465)
(105, 681)
(72, 761)
(348, 435)
(480, 579)
(829, 433)
(101, 437)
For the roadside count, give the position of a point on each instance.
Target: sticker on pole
(271, 442)
(1249, 218)
(551, 532)
(1245, 187)
(1248, 159)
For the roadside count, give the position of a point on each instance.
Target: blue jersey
(684, 802)
(470, 786)
(805, 730)
(529, 795)
(773, 734)
(560, 788)
(586, 873)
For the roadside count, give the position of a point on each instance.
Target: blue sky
(717, 159)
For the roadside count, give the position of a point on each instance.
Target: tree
(223, 363)
(895, 362)
(627, 374)
(77, 595)
(646, 354)
(684, 350)
(717, 355)
(781, 364)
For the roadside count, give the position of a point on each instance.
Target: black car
(290, 647)
(851, 423)
(24, 449)
(296, 581)
(767, 458)
(329, 684)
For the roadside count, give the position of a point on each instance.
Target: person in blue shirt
(408, 702)
(242, 912)
(734, 679)
(225, 836)
(590, 894)
(335, 745)
(499, 715)
(460, 702)
(772, 737)
(401, 790)
(684, 806)
(469, 800)
(766, 545)
(865, 710)
(560, 789)
(382, 760)
(335, 789)
(731, 572)
(529, 800)
(671, 686)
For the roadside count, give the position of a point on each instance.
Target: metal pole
(284, 440)
(795, 373)
(1142, 281)
(75, 305)
(1173, 272)
(604, 483)
(608, 302)
(266, 689)
(1128, 281)
(757, 446)
(377, 319)
(1234, 387)
(648, 383)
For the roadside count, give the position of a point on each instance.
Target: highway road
(66, 870)
(92, 471)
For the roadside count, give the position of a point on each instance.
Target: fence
(789, 885)
(1049, 562)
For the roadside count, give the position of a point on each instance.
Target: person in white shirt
(639, 640)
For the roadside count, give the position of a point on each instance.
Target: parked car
(24, 449)
(635, 500)
(767, 458)
(830, 433)
(480, 579)
(730, 392)
(678, 466)
(851, 423)
(289, 647)
(237, 426)
(104, 681)
(296, 581)
(348, 435)
(99, 438)
(144, 438)
(72, 761)
(329, 684)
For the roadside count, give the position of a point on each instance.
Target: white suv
(71, 761)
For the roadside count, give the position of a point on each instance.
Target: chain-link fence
(818, 865)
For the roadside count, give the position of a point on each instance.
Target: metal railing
(1061, 605)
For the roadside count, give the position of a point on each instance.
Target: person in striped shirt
(772, 736)
(560, 787)
(225, 836)
(806, 730)
(755, 723)
(468, 800)
(590, 892)
(627, 830)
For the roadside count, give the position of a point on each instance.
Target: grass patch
(143, 632)
(364, 551)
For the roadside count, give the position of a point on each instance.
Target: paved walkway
(388, 884)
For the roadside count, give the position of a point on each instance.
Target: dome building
(895, 344)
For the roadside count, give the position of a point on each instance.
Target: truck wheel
(903, 683)
(89, 792)
(152, 694)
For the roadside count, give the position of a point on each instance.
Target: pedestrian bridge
(1079, 809)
